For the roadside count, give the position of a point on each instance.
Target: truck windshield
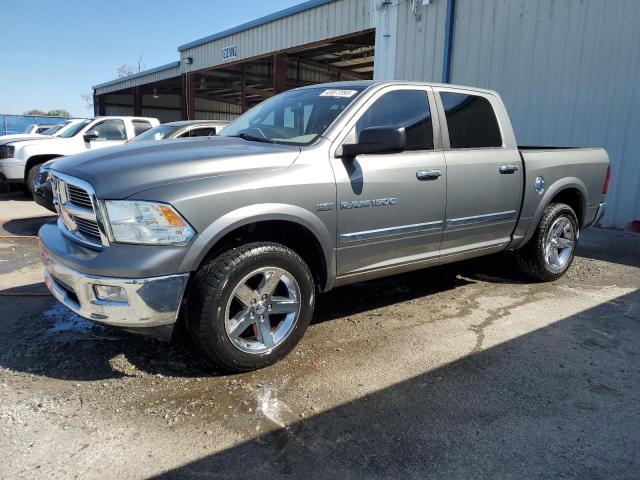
(55, 128)
(297, 117)
(74, 129)
(157, 133)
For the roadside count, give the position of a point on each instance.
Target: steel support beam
(137, 102)
(188, 96)
(280, 65)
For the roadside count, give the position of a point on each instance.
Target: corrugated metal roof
(287, 12)
(161, 68)
(317, 22)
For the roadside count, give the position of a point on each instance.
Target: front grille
(79, 197)
(74, 201)
(89, 228)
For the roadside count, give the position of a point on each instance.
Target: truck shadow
(25, 226)
(60, 344)
(556, 402)
(611, 245)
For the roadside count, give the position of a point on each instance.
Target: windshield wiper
(252, 138)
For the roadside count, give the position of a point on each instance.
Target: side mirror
(90, 135)
(377, 140)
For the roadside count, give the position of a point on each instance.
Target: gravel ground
(462, 371)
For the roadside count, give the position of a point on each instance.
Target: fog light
(109, 293)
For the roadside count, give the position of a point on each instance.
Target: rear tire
(550, 252)
(250, 306)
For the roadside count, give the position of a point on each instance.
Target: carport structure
(223, 75)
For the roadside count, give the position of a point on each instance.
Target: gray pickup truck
(313, 189)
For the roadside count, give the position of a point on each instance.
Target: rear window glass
(471, 121)
(140, 126)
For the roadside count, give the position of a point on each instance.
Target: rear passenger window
(402, 108)
(140, 126)
(471, 121)
(203, 132)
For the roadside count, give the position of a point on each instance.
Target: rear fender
(546, 199)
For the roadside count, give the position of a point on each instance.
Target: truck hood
(119, 172)
(22, 137)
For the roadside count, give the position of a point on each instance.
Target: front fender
(258, 213)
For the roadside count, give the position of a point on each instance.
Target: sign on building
(229, 53)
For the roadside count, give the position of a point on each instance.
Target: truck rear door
(484, 171)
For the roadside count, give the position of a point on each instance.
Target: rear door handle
(428, 174)
(507, 169)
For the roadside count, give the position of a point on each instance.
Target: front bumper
(150, 302)
(42, 193)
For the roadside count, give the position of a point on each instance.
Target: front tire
(549, 253)
(31, 179)
(250, 306)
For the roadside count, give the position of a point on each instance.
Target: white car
(52, 131)
(20, 160)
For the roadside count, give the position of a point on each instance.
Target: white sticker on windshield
(334, 92)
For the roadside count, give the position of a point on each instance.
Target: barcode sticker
(334, 92)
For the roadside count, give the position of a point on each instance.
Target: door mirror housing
(90, 135)
(374, 140)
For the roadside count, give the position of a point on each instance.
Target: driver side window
(112, 129)
(402, 108)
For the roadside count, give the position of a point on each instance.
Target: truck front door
(484, 171)
(391, 206)
(111, 132)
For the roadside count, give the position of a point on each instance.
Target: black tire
(214, 284)
(31, 178)
(531, 259)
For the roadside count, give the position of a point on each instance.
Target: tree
(125, 69)
(34, 112)
(59, 113)
(88, 100)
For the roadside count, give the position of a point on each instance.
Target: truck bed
(582, 170)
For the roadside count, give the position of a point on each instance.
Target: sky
(53, 52)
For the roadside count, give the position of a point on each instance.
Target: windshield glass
(157, 133)
(55, 128)
(297, 117)
(75, 129)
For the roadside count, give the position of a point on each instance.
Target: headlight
(147, 222)
(7, 151)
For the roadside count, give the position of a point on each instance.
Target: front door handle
(428, 174)
(507, 169)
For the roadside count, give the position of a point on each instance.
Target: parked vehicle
(39, 129)
(16, 124)
(182, 129)
(43, 195)
(53, 131)
(20, 161)
(315, 188)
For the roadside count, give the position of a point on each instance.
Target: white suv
(20, 160)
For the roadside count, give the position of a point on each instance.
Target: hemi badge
(323, 207)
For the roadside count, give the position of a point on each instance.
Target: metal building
(567, 69)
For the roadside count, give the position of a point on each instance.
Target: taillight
(605, 189)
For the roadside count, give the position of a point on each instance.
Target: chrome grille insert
(78, 210)
(79, 197)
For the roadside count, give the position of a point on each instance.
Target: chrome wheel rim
(262, 310)
(559, 244)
